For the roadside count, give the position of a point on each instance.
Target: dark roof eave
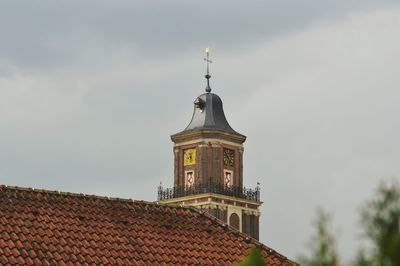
(234, 136)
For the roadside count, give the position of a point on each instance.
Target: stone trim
(212, 195)
(192, 135)
(213, 141)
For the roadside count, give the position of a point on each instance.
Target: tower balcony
(238, 192)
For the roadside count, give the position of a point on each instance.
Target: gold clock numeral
(189, 157)
(229, 157)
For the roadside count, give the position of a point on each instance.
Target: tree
(322, 244)
(361, 259)
(381, 223)
(254, 258)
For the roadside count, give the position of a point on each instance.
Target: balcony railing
(176, 192)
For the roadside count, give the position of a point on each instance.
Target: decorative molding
(211, 135)
(209, 142)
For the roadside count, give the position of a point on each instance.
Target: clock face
(229, 157)
(189, 157)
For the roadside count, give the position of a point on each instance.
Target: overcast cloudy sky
(90, 92)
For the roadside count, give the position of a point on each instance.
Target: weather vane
(208, 76)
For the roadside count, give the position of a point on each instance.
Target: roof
(41, 227)
(209, 115)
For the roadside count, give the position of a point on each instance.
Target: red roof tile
(39, 227)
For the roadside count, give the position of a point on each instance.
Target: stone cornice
(211, 134)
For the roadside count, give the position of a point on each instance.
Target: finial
(208, 76)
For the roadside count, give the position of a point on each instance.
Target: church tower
(208, 167)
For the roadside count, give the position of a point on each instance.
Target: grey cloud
(90, 92)
(60, 33)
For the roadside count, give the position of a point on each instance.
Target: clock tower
(208, 167)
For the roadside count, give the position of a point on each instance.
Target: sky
(90, 92)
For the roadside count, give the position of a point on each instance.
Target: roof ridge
(237, 232)
(65, 193)
(89, 196)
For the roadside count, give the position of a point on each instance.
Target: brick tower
(208, 167)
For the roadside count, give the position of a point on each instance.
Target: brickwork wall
(250, 225)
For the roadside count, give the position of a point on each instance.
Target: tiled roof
(40, 227)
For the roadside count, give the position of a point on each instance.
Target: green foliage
(381, 222)
(380, 219)
(361, 259)
(322, 244)
(254, 258)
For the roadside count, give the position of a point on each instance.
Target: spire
(208, 76)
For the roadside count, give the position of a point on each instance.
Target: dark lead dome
(209, 115)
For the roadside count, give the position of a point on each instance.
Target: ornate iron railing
(176, 192)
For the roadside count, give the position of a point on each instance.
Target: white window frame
(230, 181)
(187, 177)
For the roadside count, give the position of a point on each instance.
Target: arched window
(234, 221)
